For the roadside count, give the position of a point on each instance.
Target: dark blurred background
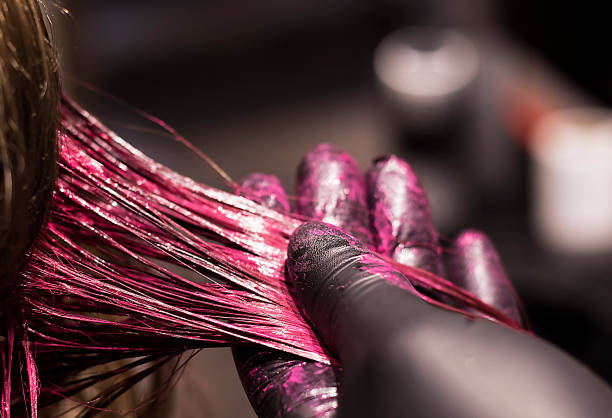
(501, 106)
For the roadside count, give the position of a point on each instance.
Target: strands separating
(140, 264)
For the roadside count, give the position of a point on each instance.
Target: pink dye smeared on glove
(140, 263)
(331, 189)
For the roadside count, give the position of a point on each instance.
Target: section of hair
(29, 111)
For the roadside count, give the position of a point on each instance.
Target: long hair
(29, 112)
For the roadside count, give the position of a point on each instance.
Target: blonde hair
(29, 111)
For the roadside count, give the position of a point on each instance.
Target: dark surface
(572, 36)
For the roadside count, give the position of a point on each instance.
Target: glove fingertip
(475, 265)
(331, 188)
(265, 189)
(400, 215)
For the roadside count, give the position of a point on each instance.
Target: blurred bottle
(427, 77)
(572, 180)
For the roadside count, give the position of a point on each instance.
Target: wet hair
(29, 112)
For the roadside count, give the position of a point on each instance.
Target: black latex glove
(331, 188)
(404, 357)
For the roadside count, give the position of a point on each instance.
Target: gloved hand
(401, 356)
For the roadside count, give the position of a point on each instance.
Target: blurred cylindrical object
(425, 74)
(572, 180)
(423, 69)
